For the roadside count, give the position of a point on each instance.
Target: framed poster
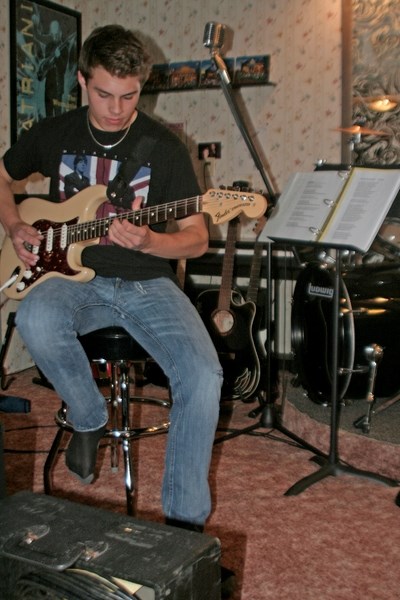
(44, 44)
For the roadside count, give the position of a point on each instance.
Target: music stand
(340, 213)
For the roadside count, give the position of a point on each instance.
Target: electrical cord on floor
(232, 432)
(26, 427)
(68, 585)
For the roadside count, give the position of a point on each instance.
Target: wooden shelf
(206, 89)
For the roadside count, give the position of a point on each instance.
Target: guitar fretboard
(88, 230)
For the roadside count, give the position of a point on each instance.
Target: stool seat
(112, 343)
(115, 347)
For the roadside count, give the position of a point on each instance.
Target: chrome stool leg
(114, 409)
(61, 421)
(120, 430)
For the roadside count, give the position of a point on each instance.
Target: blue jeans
(164, 321)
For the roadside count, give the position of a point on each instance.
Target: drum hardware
(369, 313)
(364, 422)
(326, 258)
(387, 242)
(374, 354)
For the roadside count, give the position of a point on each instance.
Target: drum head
(312, 333)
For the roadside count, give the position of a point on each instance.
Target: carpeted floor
(338, 539)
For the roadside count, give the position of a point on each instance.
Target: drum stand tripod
(331, 465)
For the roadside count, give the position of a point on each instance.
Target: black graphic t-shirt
(63, 150)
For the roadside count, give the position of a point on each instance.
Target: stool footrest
(136, 432)
(121, 428)
(132, 432)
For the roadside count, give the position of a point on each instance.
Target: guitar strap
(119, 192)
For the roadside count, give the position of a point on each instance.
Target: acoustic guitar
(229, 321)
(68, 227)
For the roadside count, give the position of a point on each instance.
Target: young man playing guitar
(134, 285)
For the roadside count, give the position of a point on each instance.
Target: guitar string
(58, 232)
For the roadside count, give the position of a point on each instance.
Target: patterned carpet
(337, 539)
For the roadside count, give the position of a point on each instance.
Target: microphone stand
(269, 417)
(231, 100)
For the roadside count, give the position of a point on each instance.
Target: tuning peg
(241, 185)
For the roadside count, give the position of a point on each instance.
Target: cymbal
(358, 130)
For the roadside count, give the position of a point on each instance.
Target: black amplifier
(54, 548)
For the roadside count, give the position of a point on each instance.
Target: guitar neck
(145, 216)
(255, 273)
(225, 292)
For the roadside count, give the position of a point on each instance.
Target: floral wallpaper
(291, 122)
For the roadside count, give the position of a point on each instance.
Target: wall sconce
(382, 104)
(378, 103)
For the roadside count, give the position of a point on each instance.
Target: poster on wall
(44, 44)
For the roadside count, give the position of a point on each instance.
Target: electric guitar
(68, 227)
(229, 321)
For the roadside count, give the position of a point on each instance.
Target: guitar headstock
(226, 204)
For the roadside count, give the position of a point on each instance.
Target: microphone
(214, 34)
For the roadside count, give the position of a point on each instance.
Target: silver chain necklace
(105, 146)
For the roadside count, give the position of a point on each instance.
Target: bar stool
(113, 347)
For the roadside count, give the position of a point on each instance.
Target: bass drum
(369, 313)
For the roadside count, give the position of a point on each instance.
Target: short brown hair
(117, 50)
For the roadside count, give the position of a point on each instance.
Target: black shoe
(228, 583)
(397, 499)
(81, 454)
(184, 525)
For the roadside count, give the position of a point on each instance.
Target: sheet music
(368, 195)
(334, 207)
(304, 206)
